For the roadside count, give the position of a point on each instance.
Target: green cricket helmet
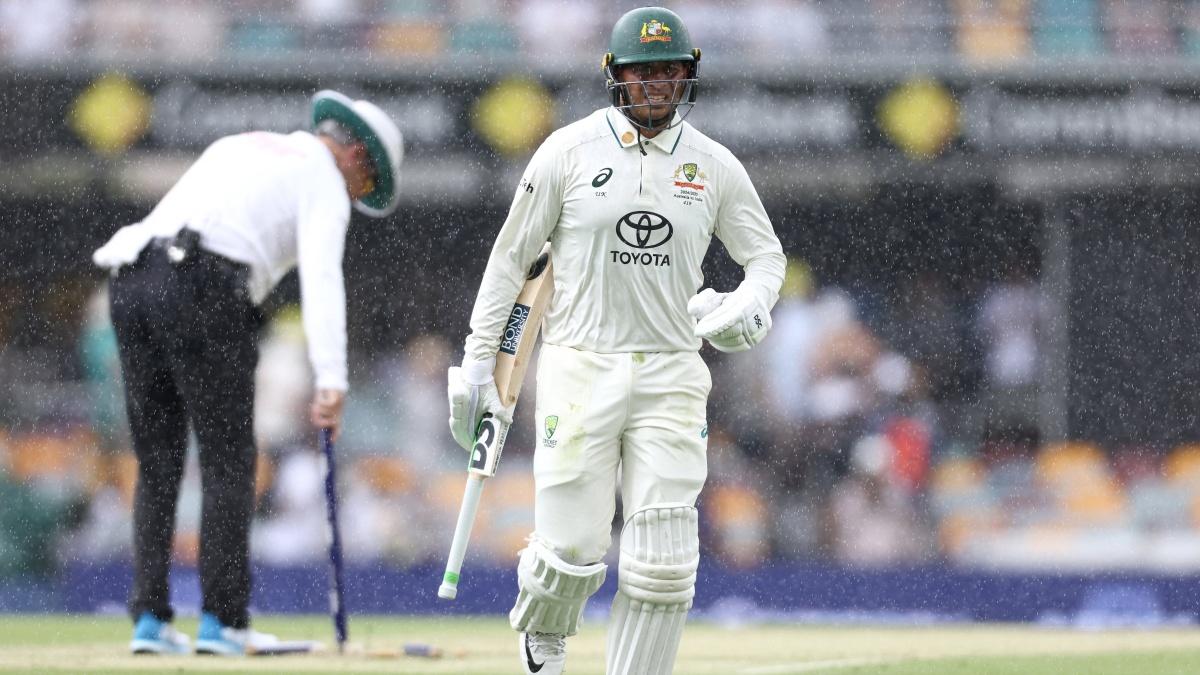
(651, 35)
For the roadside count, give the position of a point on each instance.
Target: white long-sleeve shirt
(628, 234)
(270, 201)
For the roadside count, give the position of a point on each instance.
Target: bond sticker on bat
(514, 328)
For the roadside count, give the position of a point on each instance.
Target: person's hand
(472, 392)
(325, 412)
(731, 322)
(703, 303)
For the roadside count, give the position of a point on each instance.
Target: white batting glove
(703, 303)
(731, 322)
(706, 302)
(472, 392)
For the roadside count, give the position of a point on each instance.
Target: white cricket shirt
(271, 201)
(628, 234)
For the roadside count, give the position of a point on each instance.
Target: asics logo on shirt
(602, 177)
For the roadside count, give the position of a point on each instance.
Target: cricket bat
(512, 359)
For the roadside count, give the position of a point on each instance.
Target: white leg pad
(553, 591)
(660, 549)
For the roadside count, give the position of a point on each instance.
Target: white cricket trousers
(638, 417)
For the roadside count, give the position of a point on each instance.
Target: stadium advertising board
(927, 118)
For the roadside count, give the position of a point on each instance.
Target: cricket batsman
(629, 198)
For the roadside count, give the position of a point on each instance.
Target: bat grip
(462, 532)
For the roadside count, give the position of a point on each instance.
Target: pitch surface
(89, 644)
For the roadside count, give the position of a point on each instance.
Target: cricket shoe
(152, 635)
(216, 638)
(544, 653)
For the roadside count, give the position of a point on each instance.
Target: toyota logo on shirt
(644, 229)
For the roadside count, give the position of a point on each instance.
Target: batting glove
(731, 322)
(472, 392)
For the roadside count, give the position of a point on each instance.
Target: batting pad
(553, 592)
(660, 549)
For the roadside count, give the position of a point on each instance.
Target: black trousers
(188, 339)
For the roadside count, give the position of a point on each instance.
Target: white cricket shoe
(543, 653)
(219, 640)
(154, 636)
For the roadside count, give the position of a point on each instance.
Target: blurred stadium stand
(758, 32)
(983, 364)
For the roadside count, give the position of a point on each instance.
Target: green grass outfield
(87, 644)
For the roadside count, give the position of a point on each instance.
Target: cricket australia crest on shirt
(551, 424)
(689, 182)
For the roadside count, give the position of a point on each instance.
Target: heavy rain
(850, 336)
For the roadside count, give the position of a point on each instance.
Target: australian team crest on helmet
(655, 31)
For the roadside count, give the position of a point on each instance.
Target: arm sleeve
(531, 219)
(321, 240)
(745, 230)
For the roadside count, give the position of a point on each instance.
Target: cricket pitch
(486, 645)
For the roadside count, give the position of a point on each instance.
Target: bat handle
(462, 532)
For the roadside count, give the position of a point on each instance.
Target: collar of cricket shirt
(626, 134)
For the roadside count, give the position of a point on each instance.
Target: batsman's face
(654, 88)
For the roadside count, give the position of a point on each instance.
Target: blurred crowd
(763, 31)
(847, 435)
(863, 430)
